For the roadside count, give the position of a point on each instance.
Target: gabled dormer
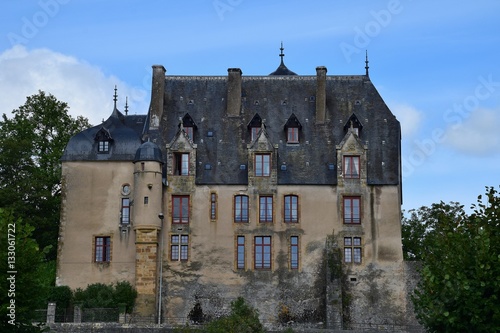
(104, 140)
(254, 127)
(292, 129)
(189, 125)
(351, 157)
(181, 160)
(262, 160)
(354, 123)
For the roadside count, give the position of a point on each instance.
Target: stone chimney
(233, 92)
(157, 96)
(320, 94)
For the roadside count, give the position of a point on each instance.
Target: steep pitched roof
(204, 98)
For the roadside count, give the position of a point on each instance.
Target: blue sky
(435, 63)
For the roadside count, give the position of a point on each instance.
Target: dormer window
(262, 165)
(292, 128)
(189, 125)
(103, 146)
(255, 126)
(351, 166)
(103, 139)
(254, 132)
(354, 124)
(292, 135)
(181, 164)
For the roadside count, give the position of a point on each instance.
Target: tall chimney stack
(320, 94)
(234, 92)
(157, 96)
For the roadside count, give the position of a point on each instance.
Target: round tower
(148, 198)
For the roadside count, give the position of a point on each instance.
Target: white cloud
(409, 117)
(478, 134)
(86, 89)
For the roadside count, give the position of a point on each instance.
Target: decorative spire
(126, 106)
(366, 63)
(115, 96)
(281, 53)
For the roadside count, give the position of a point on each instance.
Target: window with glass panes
(180, 209)
(266, 209)
(291, 208)
(294, 252)
(352, 250)
(241, 208)
(352, 210)
(262, 165)
(262, 252)
(102, 251)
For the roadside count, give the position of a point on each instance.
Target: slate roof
(275, 99)
(125, 138)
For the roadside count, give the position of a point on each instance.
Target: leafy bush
(242, 319)
(99, 295)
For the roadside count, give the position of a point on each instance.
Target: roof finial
(281, 53)
(366, 63)
(115, 96)
(126, 106)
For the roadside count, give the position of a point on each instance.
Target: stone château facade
(284, 189)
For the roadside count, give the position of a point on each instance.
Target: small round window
(126, 189)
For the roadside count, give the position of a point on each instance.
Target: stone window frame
(243, 218)
(262, 168)
(266, 215)
(353, 250)
(294, 249)
(184, 206)
(352, 158)
(179, 247)
(240, 252)
(213, 206)
(352, 220)
(109, 253)
(259, 245)
(290, 212)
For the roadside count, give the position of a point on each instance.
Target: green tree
(31, 145)
(22, 290)
(459, 288)
(420, 224)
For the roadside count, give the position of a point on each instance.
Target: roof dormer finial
(281, 53)
(115, 96)
(366, 63)
(126, 106)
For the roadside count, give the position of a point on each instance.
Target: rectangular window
(213, 206)
(262, 165)
(254, 133)
(102, 249)
(262, 252)
(266, 209)
(240, 252)
(352, 250)
(291, 209)
(294, 252)
(180, 209)
(103, 147)
(241, 208)
(293, 135)
(351, 166)
(189, 132)
(125, 212)
(181, 164)
(352, 210)
(179, 245)
(146, 200)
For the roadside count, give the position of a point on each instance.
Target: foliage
(31, 145)
(416, 229)
(242, 319)
(22, 289)
(100, 295)
(460, 279)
